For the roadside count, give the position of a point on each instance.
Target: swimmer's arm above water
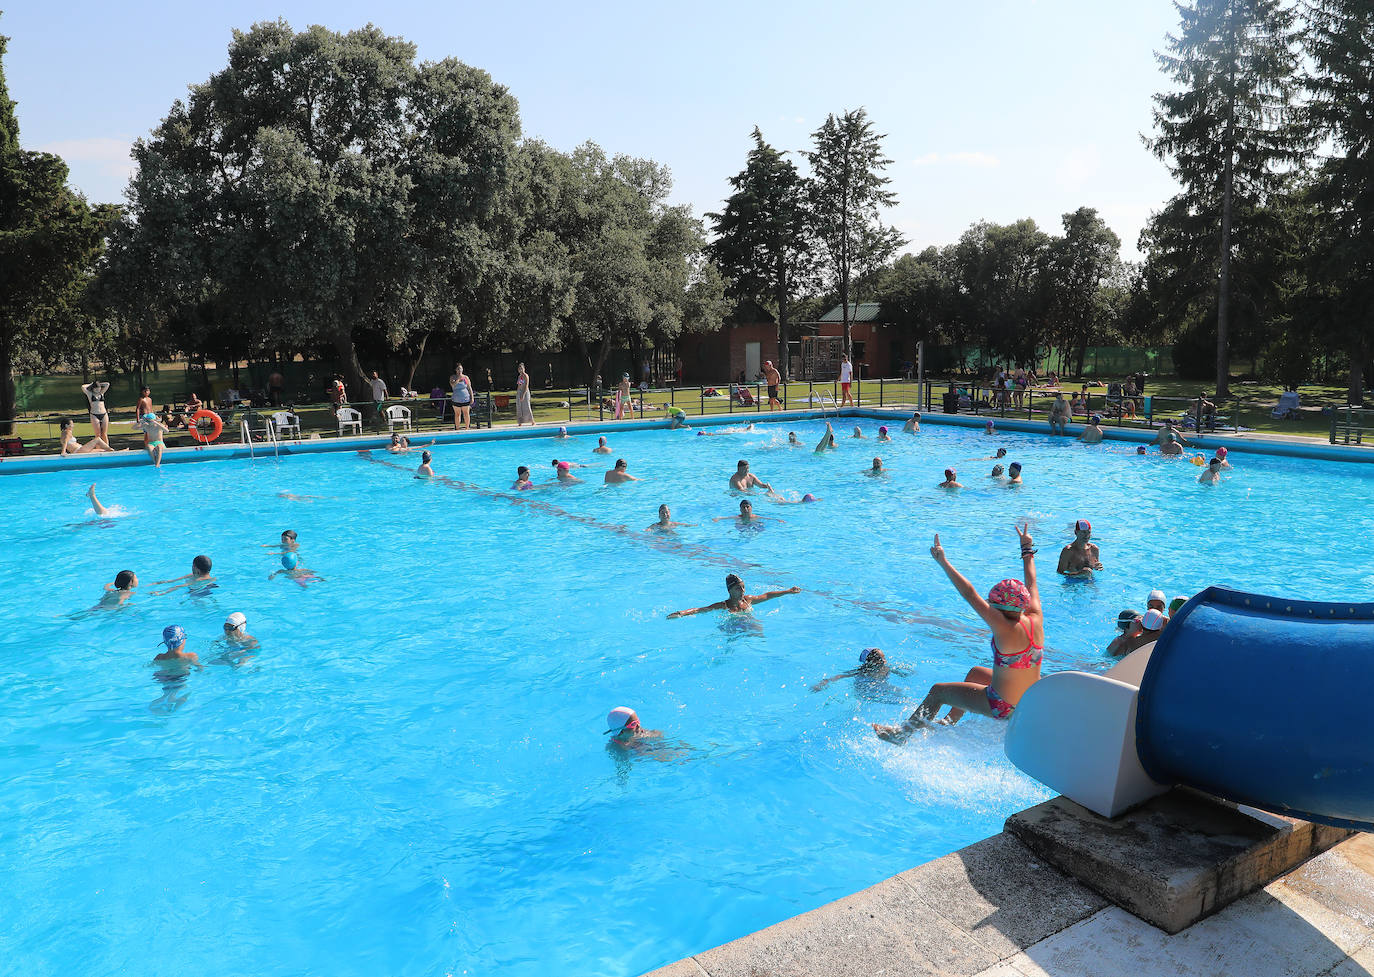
(717, 606)
(769, 595)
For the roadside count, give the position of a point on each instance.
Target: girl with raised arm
(1012, 611)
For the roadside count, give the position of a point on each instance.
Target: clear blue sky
(994, 109)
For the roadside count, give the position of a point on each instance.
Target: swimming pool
(410, 776)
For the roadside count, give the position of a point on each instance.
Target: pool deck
(994, 909)
(896, 414)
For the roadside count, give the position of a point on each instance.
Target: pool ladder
(246, 436)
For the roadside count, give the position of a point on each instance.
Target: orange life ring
(216, 425)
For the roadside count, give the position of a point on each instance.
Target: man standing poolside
(774, 378)
(1080, 557)
(743, 480)
(378, 393)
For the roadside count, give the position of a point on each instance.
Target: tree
(1340, 44)
(997, 270)
(634, 258)
(763, 242)
(918, 296)
(1079, 267)
(847, 195)
(49, 241)
(1226, 134)
(324, 186)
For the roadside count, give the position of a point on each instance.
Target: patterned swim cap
(1009, 595)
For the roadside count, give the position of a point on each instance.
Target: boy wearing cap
(1151, 624)
(175, 640)
(1092, 431)
(1080, 557)
(291, 567)
(1158, 602)
(236, 631)
(1128, 624)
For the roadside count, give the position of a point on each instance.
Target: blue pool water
(410, 777)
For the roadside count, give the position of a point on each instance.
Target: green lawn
(1249, 406)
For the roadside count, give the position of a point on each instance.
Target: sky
(992, 110)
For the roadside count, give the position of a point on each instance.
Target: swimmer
(96, 507)
(827, 441)
(1092, 431)
(738, 602)
(998, 472)
(1151, 624)
(858, 433)
(808, 497)
(792, 438)
(883, 435)
(602, 448)
(1213, 473)
(624, 729)
(1172, 447)
(677, 418)
(1013, 613)
(1175, 605)
(1128, 624)
(398, 445)
(665, 522)
(236, 631)
(291, 567)
(1014, 473)
(873, 668)
(571, 464)
(288, 542)
(71, 446)
(1140, 449)
(746, 516)
(1221, 454)
(913, 424)
(619, 473)
(877, 469)
(125, 583)
(1080, 557)
(951, 480)
(425, 470)
(175, 640)
(1156, 601)
(298, 498)
(153, 429)
(565, 475)
(562, 435)
(988, 428)
(1167, 435)
(198, 578)
(522, 479)
(743, 480)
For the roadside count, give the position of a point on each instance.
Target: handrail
(1348, 430)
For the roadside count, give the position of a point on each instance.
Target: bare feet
(899, 734)
(100, 510)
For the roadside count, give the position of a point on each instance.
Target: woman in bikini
(1012, 610)
(71, 446)
(100, 417)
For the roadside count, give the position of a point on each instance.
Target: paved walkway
(993, 910)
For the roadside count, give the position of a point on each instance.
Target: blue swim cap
(1140, 449)
(808, 497)
(701, 434)
(173, 636)
(289, 560)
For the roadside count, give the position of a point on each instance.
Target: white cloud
(975, 159)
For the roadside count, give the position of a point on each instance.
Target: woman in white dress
(524, 413)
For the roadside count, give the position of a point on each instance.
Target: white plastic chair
(349, 418)
(284, 422)
(397, 415)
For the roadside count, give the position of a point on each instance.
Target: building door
(751, 360)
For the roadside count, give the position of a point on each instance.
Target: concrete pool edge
(996, 908)
(1294, 446)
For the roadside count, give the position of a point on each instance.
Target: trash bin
(951, 401)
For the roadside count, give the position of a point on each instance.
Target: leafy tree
(763, 242)
(1079, 267)
(634, 258)
(847, 194)
(1340, 44)
(997, 271)
(49, 241)
(918, 296)
(1226, 134)
(323, 186)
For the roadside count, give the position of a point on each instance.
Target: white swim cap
(1153, 619)
(235, 620)
(618, 718)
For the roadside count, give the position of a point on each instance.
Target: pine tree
(848, 191)
(1227, 134)
(1340, 44)
(762, 240)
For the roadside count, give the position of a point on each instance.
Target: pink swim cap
(1009, 595)
(1221, 452)
(564, 466)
